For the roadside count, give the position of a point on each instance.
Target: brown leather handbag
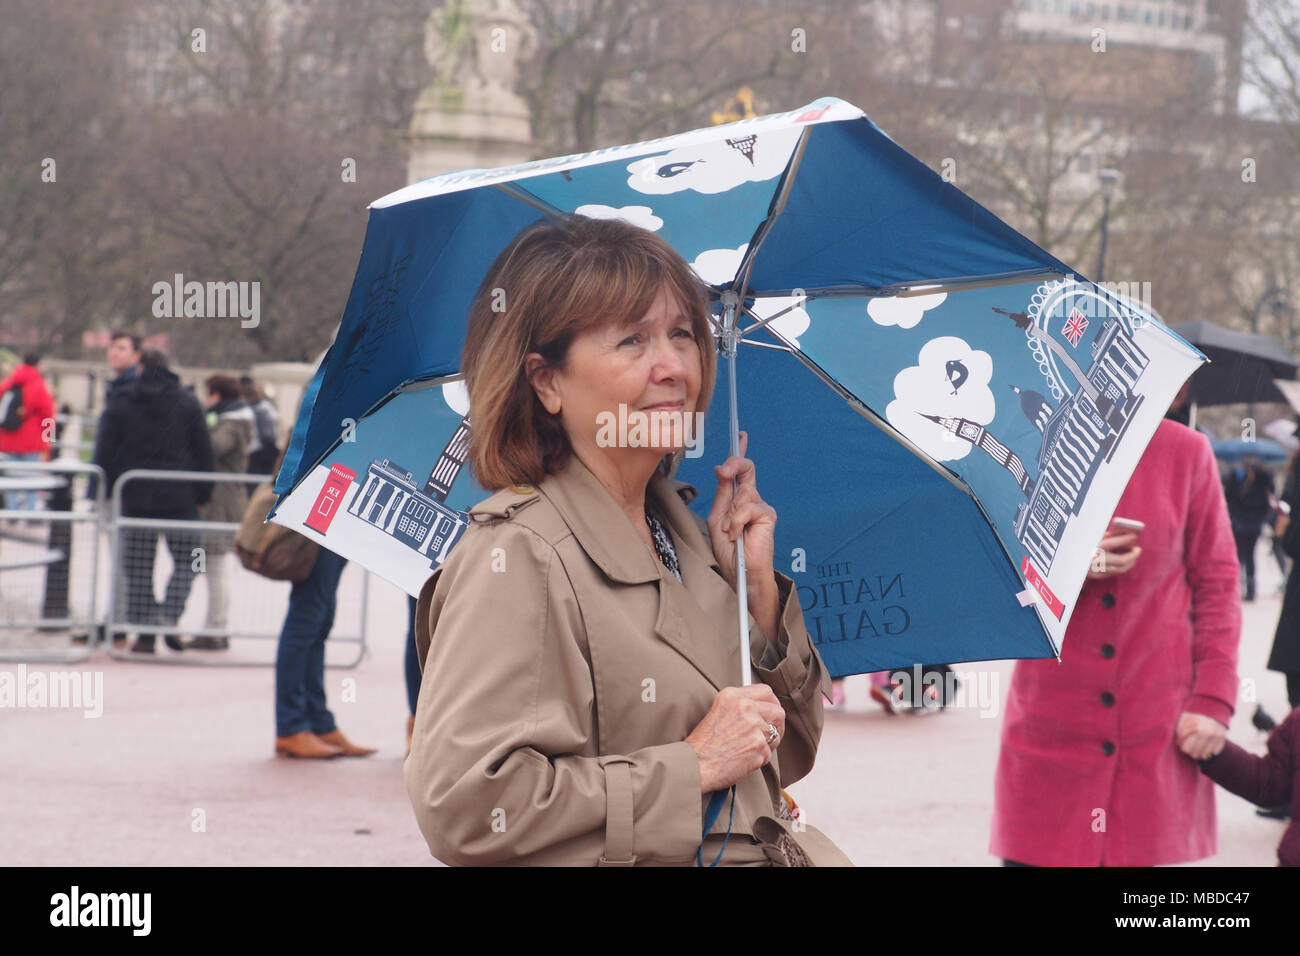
(272, 550)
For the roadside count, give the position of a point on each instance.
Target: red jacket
(1089, 772)
(38, 408)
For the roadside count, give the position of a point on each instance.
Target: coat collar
(602, 527)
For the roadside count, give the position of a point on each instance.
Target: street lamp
(1278, 300)
(1109, 180)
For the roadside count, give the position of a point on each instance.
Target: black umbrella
(1242, 366)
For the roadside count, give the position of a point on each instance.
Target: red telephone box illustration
(808, 116)
(330, 498)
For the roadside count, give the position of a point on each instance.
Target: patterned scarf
(663, 544)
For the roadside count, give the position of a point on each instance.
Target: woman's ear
(541, 376)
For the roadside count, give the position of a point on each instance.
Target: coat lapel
(707, 604)
(695, 622)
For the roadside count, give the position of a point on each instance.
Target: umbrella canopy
(1237, 449)
(1242, 365)
(943, 414)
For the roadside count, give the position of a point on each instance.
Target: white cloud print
(456, 395)
(715, 167)
(949, 380)
(903, 312)
(717, 266)
(642, 216)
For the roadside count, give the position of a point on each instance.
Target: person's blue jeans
(21, 500)
(300, 656)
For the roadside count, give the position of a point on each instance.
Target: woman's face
(648, 366)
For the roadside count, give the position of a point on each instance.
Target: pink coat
(1089, 772)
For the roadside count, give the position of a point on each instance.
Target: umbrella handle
(730, 345)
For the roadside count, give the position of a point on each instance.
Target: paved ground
(179, 769)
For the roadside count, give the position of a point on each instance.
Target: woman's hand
(1199, 736)
(732, 741)
(743, 510)
(1118, 552)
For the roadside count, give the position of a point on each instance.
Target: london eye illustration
(1079, 433)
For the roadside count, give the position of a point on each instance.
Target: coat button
(1108, 699)
(1108, 748)
(1108, 651)
(1108, 600)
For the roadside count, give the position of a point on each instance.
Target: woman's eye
(686, 332)
(631, 340)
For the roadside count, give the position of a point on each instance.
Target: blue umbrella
(1263, 449)
(943, 414)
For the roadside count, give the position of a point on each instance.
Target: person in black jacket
(1248, 489)
(151, 422)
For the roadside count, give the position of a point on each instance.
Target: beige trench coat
(564, 666)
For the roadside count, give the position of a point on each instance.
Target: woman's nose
(668, 359)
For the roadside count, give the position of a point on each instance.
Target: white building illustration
(390, 500)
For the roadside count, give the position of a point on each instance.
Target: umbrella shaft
(730, 301)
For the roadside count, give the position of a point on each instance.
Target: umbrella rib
(778, 205)
(524, 196)
(418, 384)
(922, 288)
(866, 412)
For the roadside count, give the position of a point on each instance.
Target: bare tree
(57, 73)
(613, 71)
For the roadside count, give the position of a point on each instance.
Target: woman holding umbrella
(582, 705)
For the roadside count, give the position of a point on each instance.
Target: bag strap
(710, 818)
(618, 812)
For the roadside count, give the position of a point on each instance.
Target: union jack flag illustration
(1075, 326)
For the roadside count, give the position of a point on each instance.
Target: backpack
(272, 550)
(12, 412)
(265, 426)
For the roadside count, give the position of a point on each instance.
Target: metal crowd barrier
(238, 606)
(49, 562)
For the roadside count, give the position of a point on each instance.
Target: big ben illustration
(417, 516)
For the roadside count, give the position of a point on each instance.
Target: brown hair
(557, 279)
(136, 341)
(224, 385)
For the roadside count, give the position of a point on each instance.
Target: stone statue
(471, 115)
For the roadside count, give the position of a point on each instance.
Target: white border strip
(834, 110)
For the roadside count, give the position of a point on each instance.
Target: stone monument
(470, 116)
